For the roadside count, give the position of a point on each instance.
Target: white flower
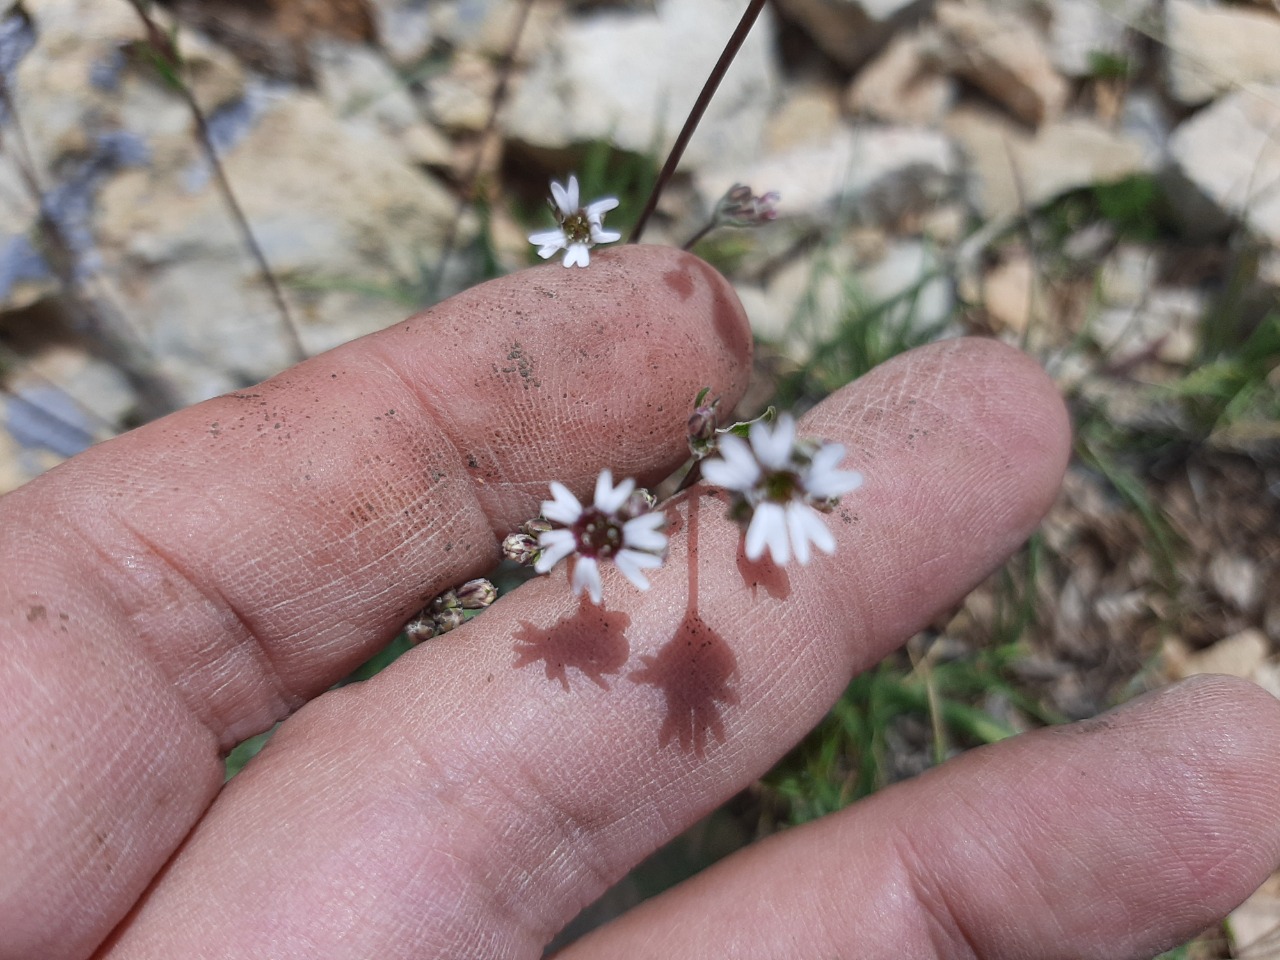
(615, 527)
(781, 484)
(580, 228)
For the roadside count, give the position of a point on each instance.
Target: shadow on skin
(693, 669)
(591, 641)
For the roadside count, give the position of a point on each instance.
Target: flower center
(780, 486)
(597, 534)
(577, 228)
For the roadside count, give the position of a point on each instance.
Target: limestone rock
(901, 85)
(373, 102)
(1230, 154)
(806, 114)
(1083, 30)
(884, 171)
(1211, 50)
(1011, 170)
(335, 225)
(849, 31)
(597, 81)
(404, 28)
(1003, 55)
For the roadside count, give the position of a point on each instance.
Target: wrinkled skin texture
(168, 593)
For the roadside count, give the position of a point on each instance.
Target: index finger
(184, 586)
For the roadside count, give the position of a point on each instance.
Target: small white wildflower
(580, 228)
(781, 484)
(617, 527)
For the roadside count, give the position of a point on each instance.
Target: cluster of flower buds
(703, 424)
(742, 208)
(522, 547)
(448, 610)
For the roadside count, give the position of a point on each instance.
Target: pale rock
(907, 288)
(486, 27)
(1230, 153)
(806, 114)
(404, 29)
(1237, 579)
(335, 224)
(597, 81)
(1239, 655)
(1127, 275)
(882, 170)
(1009, 293)
(373, 102)
(849, 31)
(1082, 30)
(1164, 324)
(1212, 49)
(1001, 54)
(901, 86)
(461, 98)
(1254, 924)
(1011, 171)
(801, 305)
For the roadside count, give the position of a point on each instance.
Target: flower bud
(520, 548)
(476, 594)
(420, 628)
(535, 526)
(449, 619)
(702, 428)
(739, 207)
(446, 601)
(640, 502)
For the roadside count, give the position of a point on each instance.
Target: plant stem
(467, 193)
(167, 51)
(695, 115)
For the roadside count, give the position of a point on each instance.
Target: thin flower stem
(688, 244)
(695, 115)
(467, 194)
(91, 309)
(164, 48)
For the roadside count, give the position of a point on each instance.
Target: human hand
(178, 589)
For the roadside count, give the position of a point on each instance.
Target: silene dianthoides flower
(781, 484)
(619, 525)
(581, 228)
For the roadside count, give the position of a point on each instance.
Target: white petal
(827, 457)
(805, 527)
(773, 446)
(608, 497)
(644, 533)
(572, 191)
(600, 235)
(599, 208)
(632, 563)
(834, 483)
(577, 255)
(565, 508)
(806, 521)
(586, 576)
(548, 238)
(549, 250)
(555, 545)
(768, 528)
(561, 197)
(735, 468)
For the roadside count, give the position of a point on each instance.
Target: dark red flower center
(597, 533)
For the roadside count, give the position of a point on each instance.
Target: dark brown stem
(164, 48)
(467, 194)
(695, 115)
(688, 244)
